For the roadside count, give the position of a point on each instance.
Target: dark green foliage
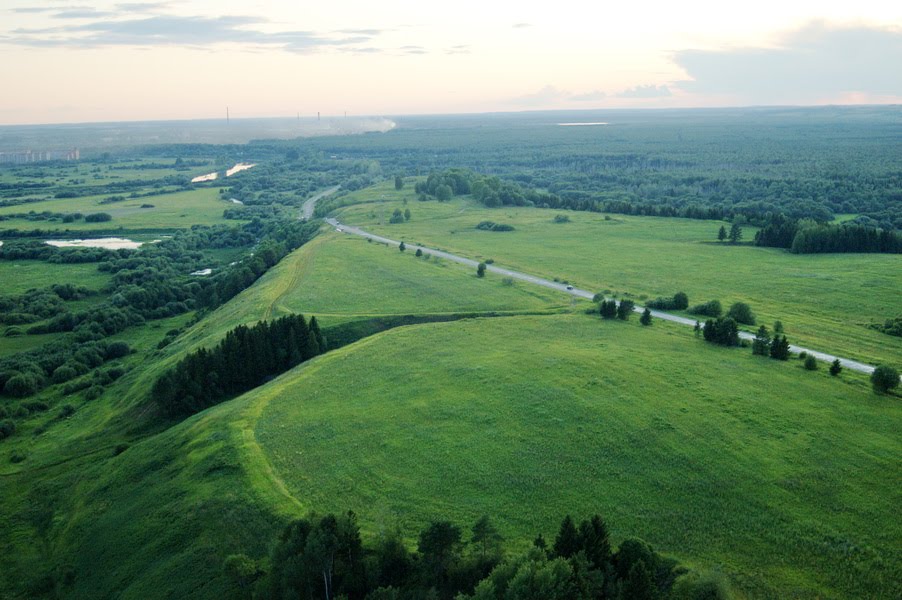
(480, 269)
(835, 367)
(567, 542)
(722, 234)
(492, 226)
(891, 327)
(402, 246)
(406, 214)
(98, 217)
(561, 219)
(810, 363)
(396, 217)
(244, 359)
(741, 313)
(735, 233)
(399, 182)
(608, 309)
(645, 319)
(761, 343)
(712, 308)
(7, 428)
(723, 331)
(779, 348)
(845, 238)
(117, 350)
(486, 538)
(697, 328)
(625, 309)
(778, 326)
(884, 379)
(419, 252)
(680, 301)
(21, 385)
(638, 584)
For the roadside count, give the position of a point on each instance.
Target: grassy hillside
(779, 476)
(825, 301)
(168, 509)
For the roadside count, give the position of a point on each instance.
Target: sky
(70, 61)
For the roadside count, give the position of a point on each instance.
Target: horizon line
(459, 114)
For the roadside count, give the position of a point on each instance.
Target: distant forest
(804, 163)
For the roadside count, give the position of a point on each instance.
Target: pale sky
(64, 61)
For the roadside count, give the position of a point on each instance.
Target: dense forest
(245, 358)
(801, 162)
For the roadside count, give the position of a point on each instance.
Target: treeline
(325, 558)
(808, 237)
(751, 163)
(244, 359)
(26, 373)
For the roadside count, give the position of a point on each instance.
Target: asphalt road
(845, 362)
(310, 203)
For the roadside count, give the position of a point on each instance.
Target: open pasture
(825, 301)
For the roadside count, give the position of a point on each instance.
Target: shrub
(711, 308)
(119, 449)
(741, 313)
(16, 457)
(811, 363)
(509, 281)
(679, 301)
(36, 406)
(93, 392)
(21, 385)
(98, 217)
(64, 373)
(561, 219)
(7, 428)
(835, 367)
(117, 350)
(66, 411)
(884, 379)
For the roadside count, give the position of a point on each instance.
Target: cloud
(589, 96)
(165, 30)
(142, 7)
(547, 95)
(807, 64)
(521, 25)
(646, 91)
(45, 9)
(460, 49)
(88, 13)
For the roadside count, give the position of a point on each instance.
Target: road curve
(561, 287)
(310, 203)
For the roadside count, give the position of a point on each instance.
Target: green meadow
(825, 301)
(22, 275)
(778, 476)
(168, 211)
(786, 480)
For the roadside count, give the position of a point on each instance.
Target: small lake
(108, 243)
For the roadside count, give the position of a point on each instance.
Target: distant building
(31, 156)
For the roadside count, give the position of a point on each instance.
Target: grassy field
(176, 210)
(785, 479)
(825, 301)
(22, 275)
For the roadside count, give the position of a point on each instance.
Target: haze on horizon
(82, 61)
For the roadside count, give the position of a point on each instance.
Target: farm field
(825, 301)
(771, 473)
(169, 211)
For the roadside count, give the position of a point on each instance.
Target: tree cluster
(245, 358)
(325, 558)
(723, 331)
(679, 301)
